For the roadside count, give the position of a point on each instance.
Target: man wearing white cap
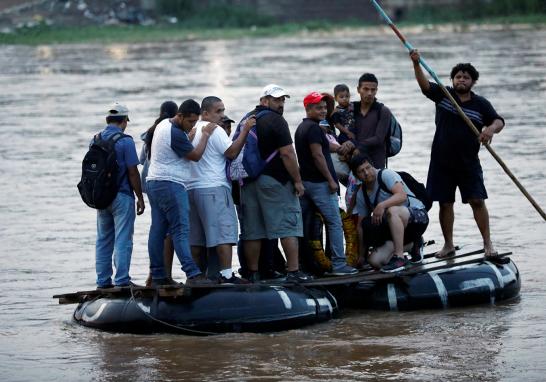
(115, 224)
(270, 205)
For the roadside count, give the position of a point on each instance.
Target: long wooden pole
(459, 110)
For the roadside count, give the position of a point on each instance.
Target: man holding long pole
(454, 158)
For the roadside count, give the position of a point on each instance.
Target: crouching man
(389, 217)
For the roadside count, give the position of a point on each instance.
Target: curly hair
(465, 68)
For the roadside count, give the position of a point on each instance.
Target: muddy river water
(53, 98)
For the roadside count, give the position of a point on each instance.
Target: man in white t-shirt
(213, 220)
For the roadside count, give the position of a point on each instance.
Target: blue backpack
(249, 164)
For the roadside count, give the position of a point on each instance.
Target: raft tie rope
(182, 329)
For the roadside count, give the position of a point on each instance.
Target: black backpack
(413, 184)
(98, 186)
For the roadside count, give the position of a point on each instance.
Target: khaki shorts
(270, 210)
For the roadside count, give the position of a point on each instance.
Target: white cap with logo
(118, 110)
(274, 91)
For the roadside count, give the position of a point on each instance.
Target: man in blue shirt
(115, 224)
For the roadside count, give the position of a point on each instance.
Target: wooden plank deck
(369, 275)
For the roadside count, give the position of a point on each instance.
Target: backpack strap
(369, 203)
(259, 115)
(240, 125)
(110, 142)
(383, 186)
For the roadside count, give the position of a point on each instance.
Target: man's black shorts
(377, 235)
(443, 180)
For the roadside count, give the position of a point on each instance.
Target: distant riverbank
(44, 35)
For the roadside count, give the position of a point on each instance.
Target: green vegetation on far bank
(137, 33)
(43, 34)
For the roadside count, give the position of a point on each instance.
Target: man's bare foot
(490, 251)
(445, 252)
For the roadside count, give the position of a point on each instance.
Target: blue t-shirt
(390, 178)
(126, 156)
(180, 142)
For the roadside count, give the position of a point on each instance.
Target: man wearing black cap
(225, 124)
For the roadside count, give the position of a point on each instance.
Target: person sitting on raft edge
(389, 216)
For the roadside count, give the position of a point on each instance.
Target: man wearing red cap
(319, 177)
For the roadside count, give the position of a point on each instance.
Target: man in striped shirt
(454, 158)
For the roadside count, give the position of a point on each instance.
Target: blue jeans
(328, 206)
(170, 213)
(115, 227)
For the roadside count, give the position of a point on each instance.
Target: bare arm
(290, 161)
(344, 130)
(419, 74)
(320, 162)
(346, 148)
(198, 151)
(134, 180)
(487, 132)
(237, 145)
(398, 197)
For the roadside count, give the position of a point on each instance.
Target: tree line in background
(477, 9)
(220, 14)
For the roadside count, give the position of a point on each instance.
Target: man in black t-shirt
(454, 158)
(319, 178)
(269, 205)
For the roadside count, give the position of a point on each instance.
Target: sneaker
(395, 264)
(108, 286)
(345, 270)
(233, 280)
(128, 285)
(199, 280)
(254, 277)
(297, 277)
(166, 282)
(272, 275)
(417, 252)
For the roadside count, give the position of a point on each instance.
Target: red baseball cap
(311, 98)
